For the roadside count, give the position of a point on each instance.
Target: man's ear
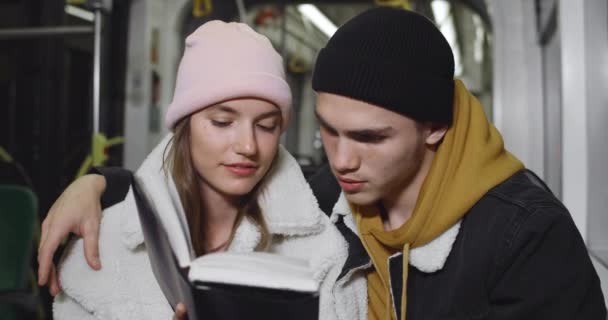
(435, 134)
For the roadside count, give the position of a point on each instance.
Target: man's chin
(361, 198)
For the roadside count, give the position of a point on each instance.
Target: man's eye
(369, 138)
(329, 131)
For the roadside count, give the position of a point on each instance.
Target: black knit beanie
(393, 58)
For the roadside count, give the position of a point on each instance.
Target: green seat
(18, 222)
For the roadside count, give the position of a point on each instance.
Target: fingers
(43, 270)
(43, 232)
(54, 284)
(54, 236)
(180, 312)
(48, 245)
(90, 234)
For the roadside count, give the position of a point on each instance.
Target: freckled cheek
(209, 140)
(204, 166)
(199, 148)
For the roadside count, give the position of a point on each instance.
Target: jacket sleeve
(118, 181)
(545, 272)
(66, 308)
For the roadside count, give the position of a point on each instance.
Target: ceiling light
(79, 13)
(317, 17)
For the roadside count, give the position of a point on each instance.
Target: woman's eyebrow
(269, 114)
(224, 108)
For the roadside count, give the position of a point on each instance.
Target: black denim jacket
(518, 255)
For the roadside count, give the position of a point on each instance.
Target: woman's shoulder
(74, 270)
(125, 280)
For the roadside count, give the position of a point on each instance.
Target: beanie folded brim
(259, 85)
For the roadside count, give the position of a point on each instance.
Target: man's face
(373, 152)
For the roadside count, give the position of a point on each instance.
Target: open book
(224, 286)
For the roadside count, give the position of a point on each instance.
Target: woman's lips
(242, 169)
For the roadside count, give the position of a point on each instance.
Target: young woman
(223, 171)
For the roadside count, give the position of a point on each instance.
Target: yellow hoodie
(468, 163)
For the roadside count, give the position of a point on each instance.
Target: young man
(442, 222)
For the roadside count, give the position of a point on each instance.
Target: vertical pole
(242, 11)
(97, 70)
(283, 139)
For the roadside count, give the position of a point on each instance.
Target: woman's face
(234, 143)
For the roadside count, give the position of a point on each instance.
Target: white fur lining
(246, 237)
(342, 208)
(428, 258)
(284, 213)
(431, 257)
(131, 233)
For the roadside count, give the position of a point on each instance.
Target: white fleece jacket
(125, 287)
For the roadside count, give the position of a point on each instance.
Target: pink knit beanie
(224, 61)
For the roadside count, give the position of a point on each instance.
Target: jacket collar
(428, 258)
(285, 198)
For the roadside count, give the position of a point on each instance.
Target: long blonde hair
(178, 161)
